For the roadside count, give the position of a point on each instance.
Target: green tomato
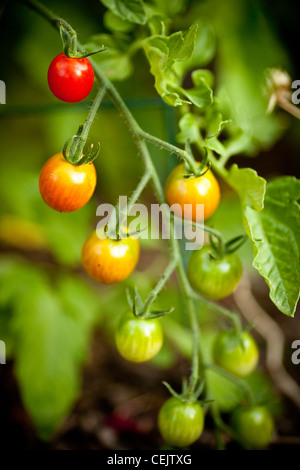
(138, 339)
(236, 354)
(254, 425)
(214, 279)
(179, 423)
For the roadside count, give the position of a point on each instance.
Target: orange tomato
(109, 261)
(194, 190)
(66, 187)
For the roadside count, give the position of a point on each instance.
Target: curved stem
(162, 281)
(122, 215)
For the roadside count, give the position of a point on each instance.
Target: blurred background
(64, 385)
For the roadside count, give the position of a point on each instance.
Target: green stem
(203, 227)
(162, 281)
(236, 380)
(92, 112)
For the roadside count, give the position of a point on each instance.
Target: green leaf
(131, 10)
(50, 331)
(275, 232)
(116, 23)
(201, 96)
(162, 52)
(176, 47)
(202, 74)
(249, 186)
(214, 121)
(214, 144)
(204, 50)
(114, 62)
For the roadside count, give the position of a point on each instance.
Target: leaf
(214, 144)
(275, 233)
(50, 330)
(131, 10)
(249, 186)
(203, 74)
(214, 121)
(162, 52)
(176, 47)
(204, 50)
(201, 96)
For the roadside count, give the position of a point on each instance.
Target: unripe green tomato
(254, 425)
(214, 279)
(179, 423)
(138, 339)
(237, 354)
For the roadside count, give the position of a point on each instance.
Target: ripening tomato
(138, 339)
(254, 425)
(192, 190)
(238, 354)
(179, 423)
(109, 261)
(70, 79)
(214, 278)
(66, 187)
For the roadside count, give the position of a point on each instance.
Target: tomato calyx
(69, 40)
(138, 309)
(219, 249)
(73, 150)
(200, 170)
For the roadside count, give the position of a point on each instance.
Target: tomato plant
(214, 278)
(182, 189)
(109, 261)
(254, 425)
(70, 79)
(138, 339)
(180, 424)
(66, 187)
(238, 354)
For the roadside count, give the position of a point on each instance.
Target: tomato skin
(180, 424)
(238, 358)
(70, 79)
(195, 190)
(110, 261)
(254, 425)
(66, 187)
(138, 339)
(214, 279)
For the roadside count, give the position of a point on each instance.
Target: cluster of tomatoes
(66, 187)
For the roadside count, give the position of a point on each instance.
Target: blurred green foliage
(47, 308)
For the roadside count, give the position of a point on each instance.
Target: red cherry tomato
(70, 79)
